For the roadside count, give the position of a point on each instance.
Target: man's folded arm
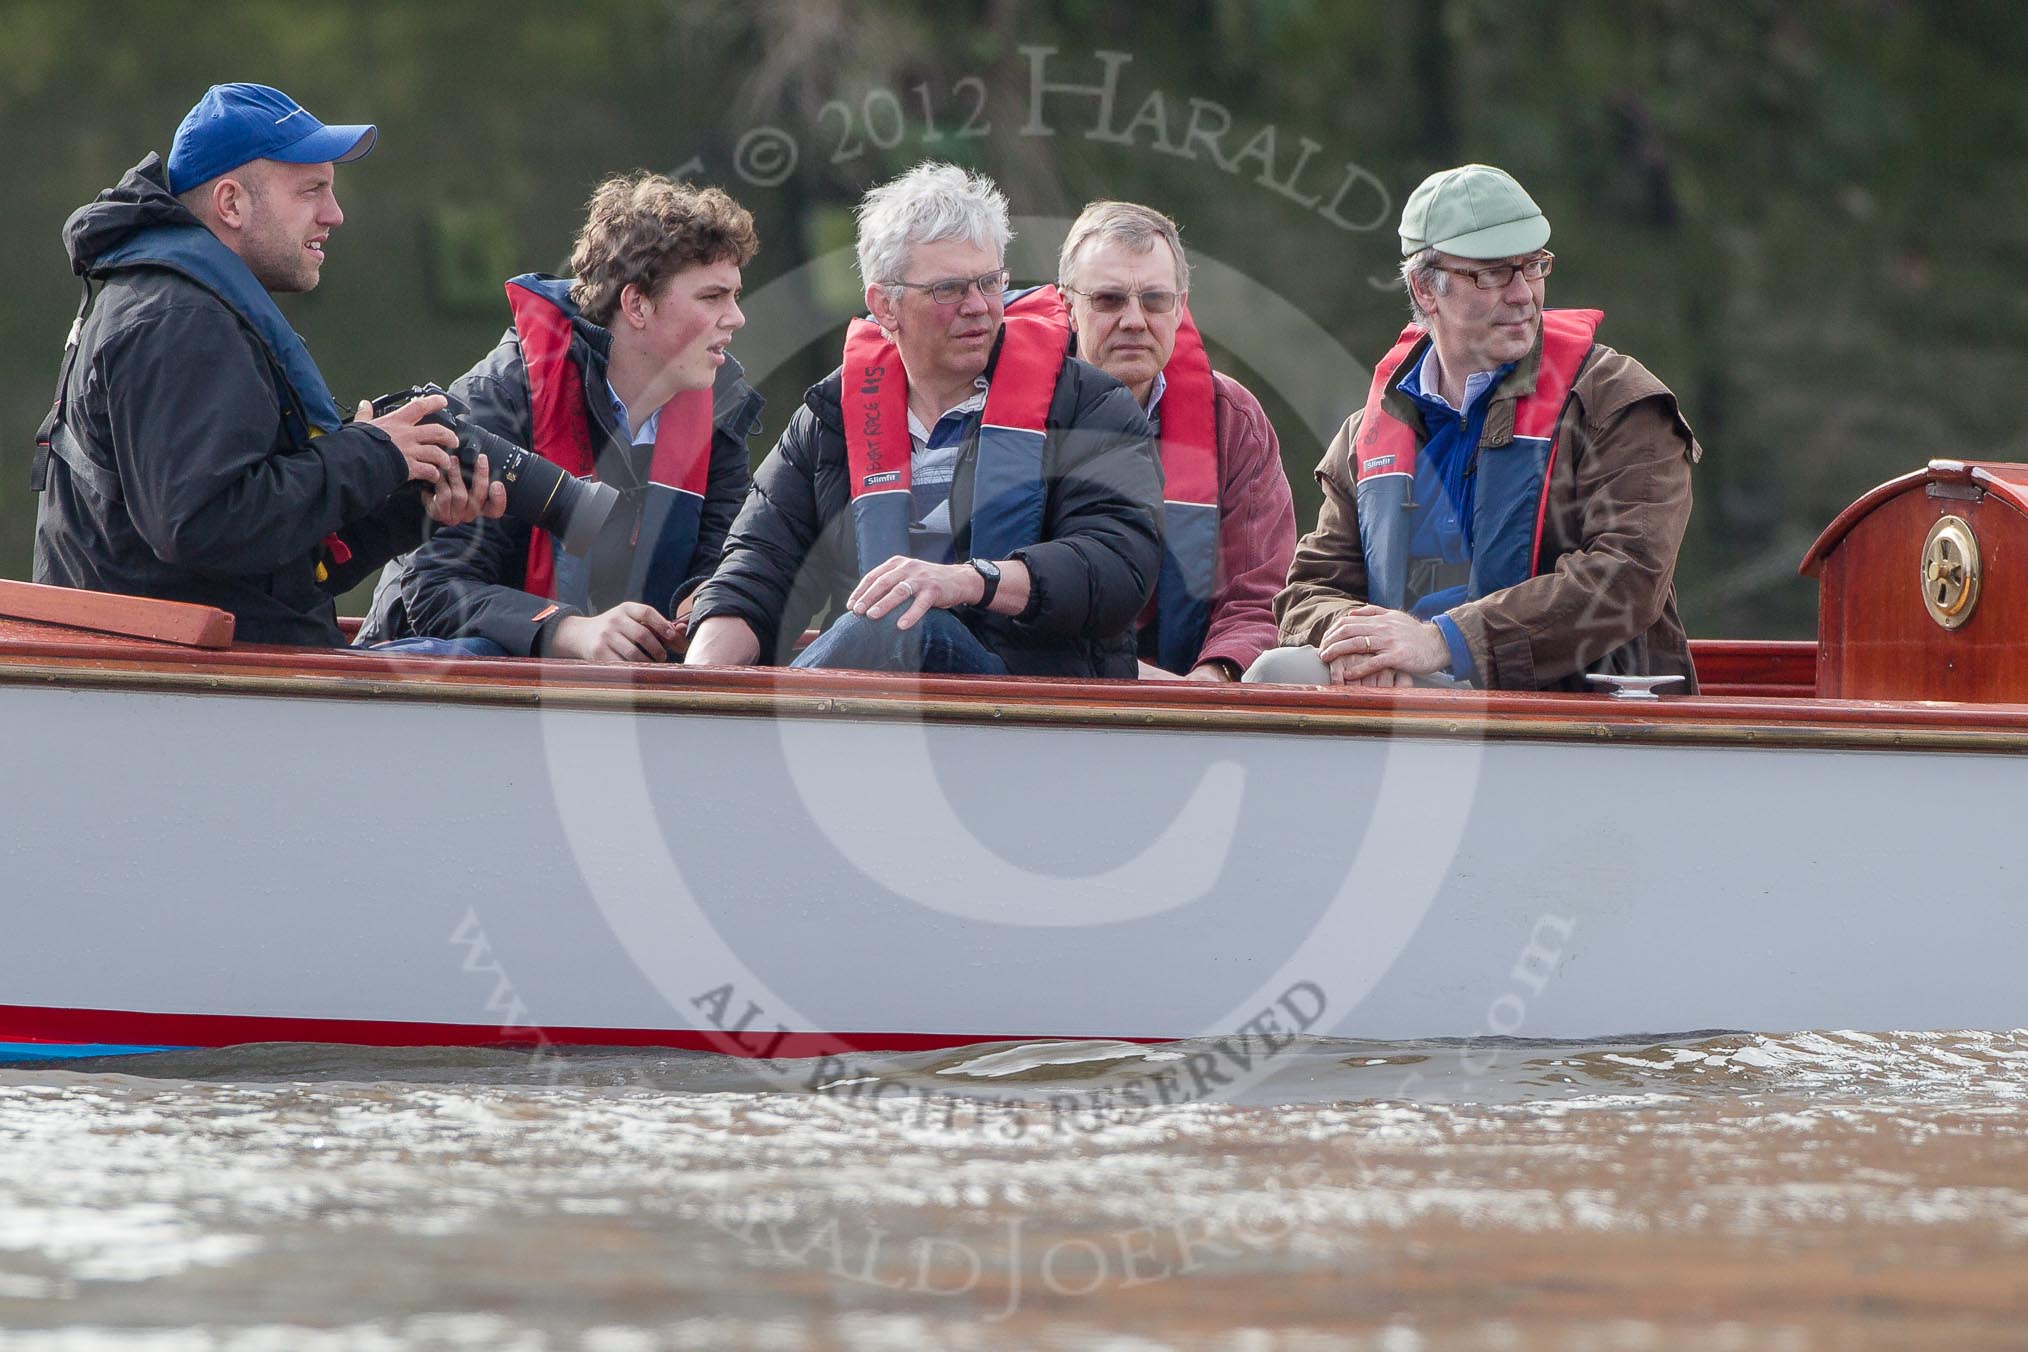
(451, 589)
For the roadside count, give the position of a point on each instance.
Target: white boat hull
(199, 864)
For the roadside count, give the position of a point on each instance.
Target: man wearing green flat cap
(1506, 508)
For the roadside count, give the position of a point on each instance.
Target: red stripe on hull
(27, 1023)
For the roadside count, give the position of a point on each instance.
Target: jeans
(939, 644)
(438, 647)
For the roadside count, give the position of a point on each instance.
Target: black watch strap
(991, 574)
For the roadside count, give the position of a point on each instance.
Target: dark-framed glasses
(1155, 301)
(951, 290)
(1494, 278)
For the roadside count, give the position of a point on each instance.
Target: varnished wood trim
(2001, 729)
(107, 613)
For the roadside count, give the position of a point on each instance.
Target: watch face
(987, 568)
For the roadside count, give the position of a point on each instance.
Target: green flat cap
(1473, 211)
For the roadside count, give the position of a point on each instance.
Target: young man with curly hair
(619, 372)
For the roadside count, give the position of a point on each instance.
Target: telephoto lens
(540, 492)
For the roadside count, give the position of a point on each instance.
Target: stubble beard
(283, 269)
(278, 260)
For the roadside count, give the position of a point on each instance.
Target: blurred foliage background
(1801, 217)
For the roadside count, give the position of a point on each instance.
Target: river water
(1821, 1190)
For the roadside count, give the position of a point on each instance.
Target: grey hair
(1422, 266)
(930, 203)
(1127, 223)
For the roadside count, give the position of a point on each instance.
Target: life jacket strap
(52, 430)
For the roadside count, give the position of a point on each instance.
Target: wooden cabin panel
(1877, 638)
(1756, 668)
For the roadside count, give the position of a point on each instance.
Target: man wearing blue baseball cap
(1506, 508)
(194, 452)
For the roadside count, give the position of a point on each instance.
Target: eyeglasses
(1153, 302)
(951, 290)
(1494, 278)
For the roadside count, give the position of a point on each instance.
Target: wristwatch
(990, 571)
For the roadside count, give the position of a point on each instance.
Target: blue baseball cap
(234, 124)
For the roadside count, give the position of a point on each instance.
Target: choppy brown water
(1734, 1192)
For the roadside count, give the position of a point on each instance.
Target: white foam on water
(134, 1242)
(1033, 1056)
(180, 1190)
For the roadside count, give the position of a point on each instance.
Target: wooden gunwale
(1706, 720)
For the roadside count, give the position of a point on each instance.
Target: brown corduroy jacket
(1619, 499)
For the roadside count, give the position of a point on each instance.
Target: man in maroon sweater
(1229, 521)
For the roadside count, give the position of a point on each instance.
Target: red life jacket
(1008, 491)
(562, 429)
(1181, 607)
(1511, 504)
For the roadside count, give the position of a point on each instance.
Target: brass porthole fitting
(1950, 571)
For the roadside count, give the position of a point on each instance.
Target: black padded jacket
(792, 552)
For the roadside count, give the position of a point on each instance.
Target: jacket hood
(139, 201)
(556, 290)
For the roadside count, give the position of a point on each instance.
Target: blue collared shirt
(1155, 395)
(645, 435)
(1442, 527)
(1422, 383)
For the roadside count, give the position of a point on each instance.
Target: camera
(540, 492)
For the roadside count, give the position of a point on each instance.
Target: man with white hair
(1229, 522)
(1507, 507)
(968, 497)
